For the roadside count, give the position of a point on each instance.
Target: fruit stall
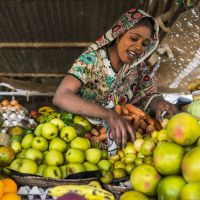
(48, 153)
(65, 153)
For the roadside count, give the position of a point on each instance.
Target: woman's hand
(159, 105)
(120, 128)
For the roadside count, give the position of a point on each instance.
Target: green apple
(139, 161)
(58, 122)
(38, 129)
(129, 158)
(148, 147)
(15, 164)
(148, 160)
(21, 154)
(52, 171)
(64, 171)
(105, 165)
(93, 155)
(40, 143)
(54, 157)
(140, 155)
(75, 156)
(28, 166)
(129, 167)
(80, 143)
(40, 169)
(114, 158)
(119, 173)
(104, 154)
(27, 141)
(16, 146)
(73, 168)
(68, 133)
(58, 144)
(35, 155)
(107, 177)
(119, 164)
(90, 167)
(129, 148)
(44, 157)
(138, 143)
(121, 154)
(49, 130)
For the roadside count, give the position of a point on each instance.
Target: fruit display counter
(63, 154)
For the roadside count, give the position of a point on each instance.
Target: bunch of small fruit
(56, 151)
(133, 155)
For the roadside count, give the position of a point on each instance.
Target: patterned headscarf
(126, 22)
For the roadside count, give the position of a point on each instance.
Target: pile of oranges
(8, 189)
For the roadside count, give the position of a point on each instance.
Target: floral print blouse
(101, 84)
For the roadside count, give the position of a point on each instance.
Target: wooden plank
(44, 44)
(30, 86)
(34, 75)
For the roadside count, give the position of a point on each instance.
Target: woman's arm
(67, 99)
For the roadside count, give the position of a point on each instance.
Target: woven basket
(116, 189)
(49, 182)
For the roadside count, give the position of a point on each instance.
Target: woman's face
(133, 43)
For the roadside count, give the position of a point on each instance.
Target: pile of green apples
(55, 150)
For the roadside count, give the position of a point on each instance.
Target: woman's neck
(114, 58)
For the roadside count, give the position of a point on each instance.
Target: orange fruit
(167, 158)
(183, 129)
(9, 185)
(170, 187)
(190, 191)
(191, 165)
(1, 189)
(132, 195)
(11, 196)
(144, 178)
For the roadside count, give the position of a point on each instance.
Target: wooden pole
(34, 75)
(44, 44)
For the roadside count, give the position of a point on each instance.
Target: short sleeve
(82, 67)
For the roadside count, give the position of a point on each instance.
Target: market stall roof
(40, 40)
(184, 65)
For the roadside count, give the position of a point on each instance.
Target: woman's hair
(148, 22)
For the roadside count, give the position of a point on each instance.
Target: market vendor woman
(112, 70)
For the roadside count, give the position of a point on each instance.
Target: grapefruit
(183, 129)
(190, 191)
(144, 178)
(133, 195)
(170, 187)
(191, 165)
(167, 158)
